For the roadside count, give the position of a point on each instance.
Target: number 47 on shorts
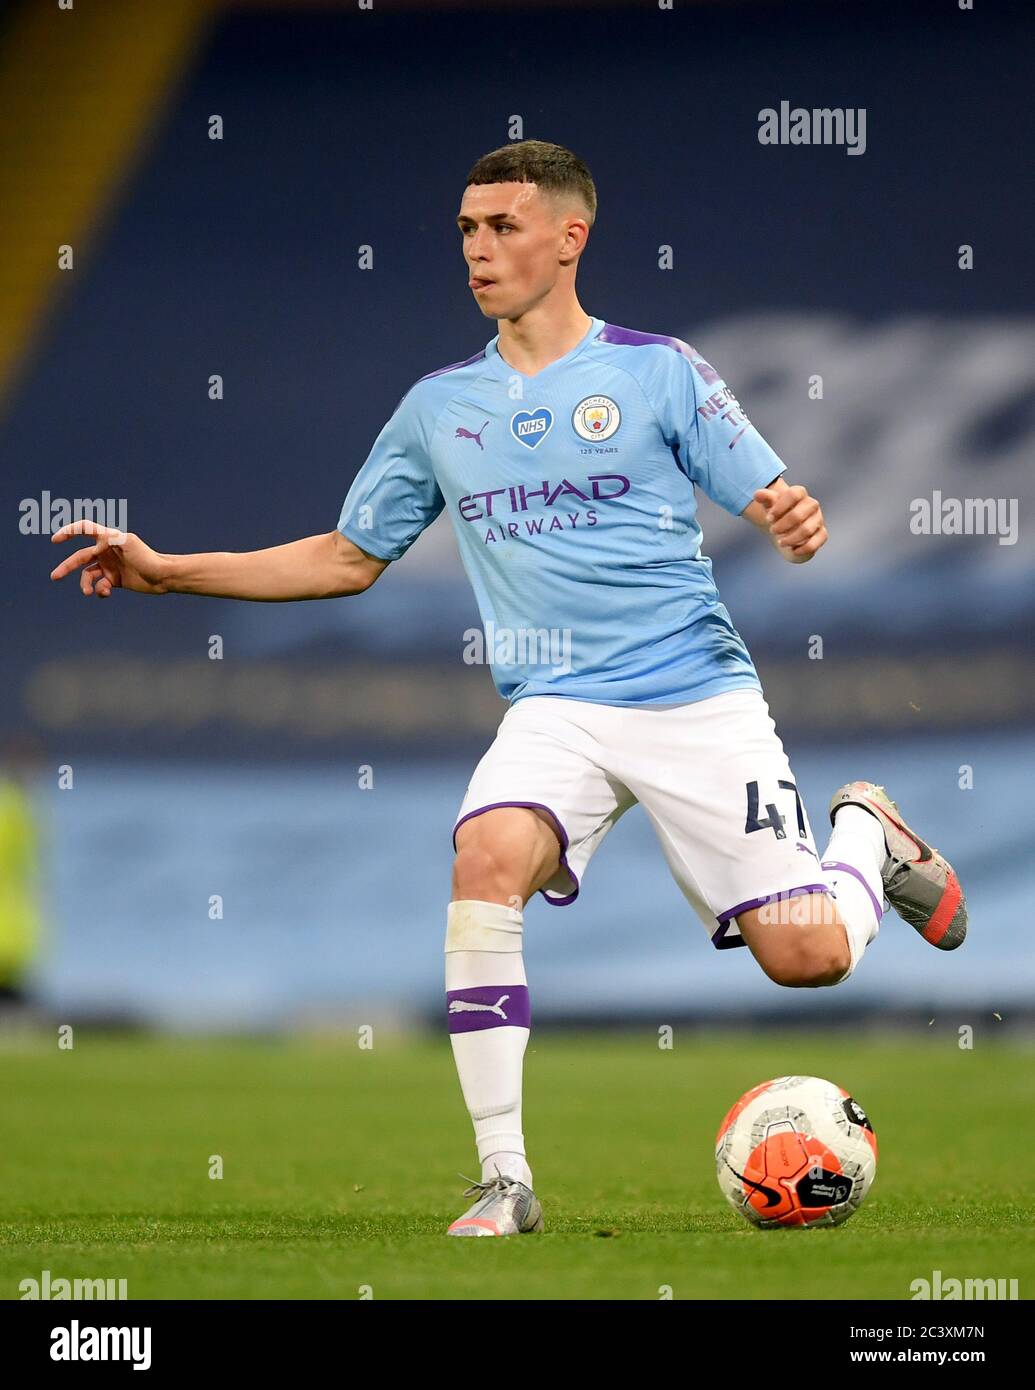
(773, 821)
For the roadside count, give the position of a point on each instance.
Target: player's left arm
(722, 452)
(793, 519)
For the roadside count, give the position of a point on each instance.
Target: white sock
(852, 863)
(484, 969)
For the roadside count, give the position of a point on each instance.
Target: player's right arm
(393, 498)
(325, 566)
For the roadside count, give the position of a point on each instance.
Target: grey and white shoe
(505, 1207)
(919, 883)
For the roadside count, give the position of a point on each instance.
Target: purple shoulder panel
(631, 337)
(453, 366)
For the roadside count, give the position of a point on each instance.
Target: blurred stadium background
(193, 256)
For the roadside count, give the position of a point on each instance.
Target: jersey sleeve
(395, 495)
(717, 446)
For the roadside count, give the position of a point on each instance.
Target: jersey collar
(492, 354)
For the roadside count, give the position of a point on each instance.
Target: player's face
(512, 240)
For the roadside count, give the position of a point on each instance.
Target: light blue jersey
(572, 495)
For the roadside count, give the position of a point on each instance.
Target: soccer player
(567, 454)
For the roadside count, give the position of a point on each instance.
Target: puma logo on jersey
(461, 433)
(463, 1006)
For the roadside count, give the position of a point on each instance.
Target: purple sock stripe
(491, 1006)
(722, 942)
(848, 869)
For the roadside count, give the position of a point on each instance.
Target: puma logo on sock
(462, 1006)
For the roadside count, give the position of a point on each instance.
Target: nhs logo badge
(530, 427)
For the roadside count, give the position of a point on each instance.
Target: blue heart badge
(530, 427)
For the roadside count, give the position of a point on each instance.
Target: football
(796, 1151)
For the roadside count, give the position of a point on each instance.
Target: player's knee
(505, 853)
(484, 870)
(809, 964)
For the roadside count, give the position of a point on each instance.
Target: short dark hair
(551, 167)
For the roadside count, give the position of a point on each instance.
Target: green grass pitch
(339, 1168)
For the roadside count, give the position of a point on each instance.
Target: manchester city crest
(596, 418)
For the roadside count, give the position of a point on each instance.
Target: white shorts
(712, 776)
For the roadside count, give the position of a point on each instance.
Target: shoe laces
(478, 1185)
(892, 864)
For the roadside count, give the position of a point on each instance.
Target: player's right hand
(116, 560)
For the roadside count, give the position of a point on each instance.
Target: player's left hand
(795, 521)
